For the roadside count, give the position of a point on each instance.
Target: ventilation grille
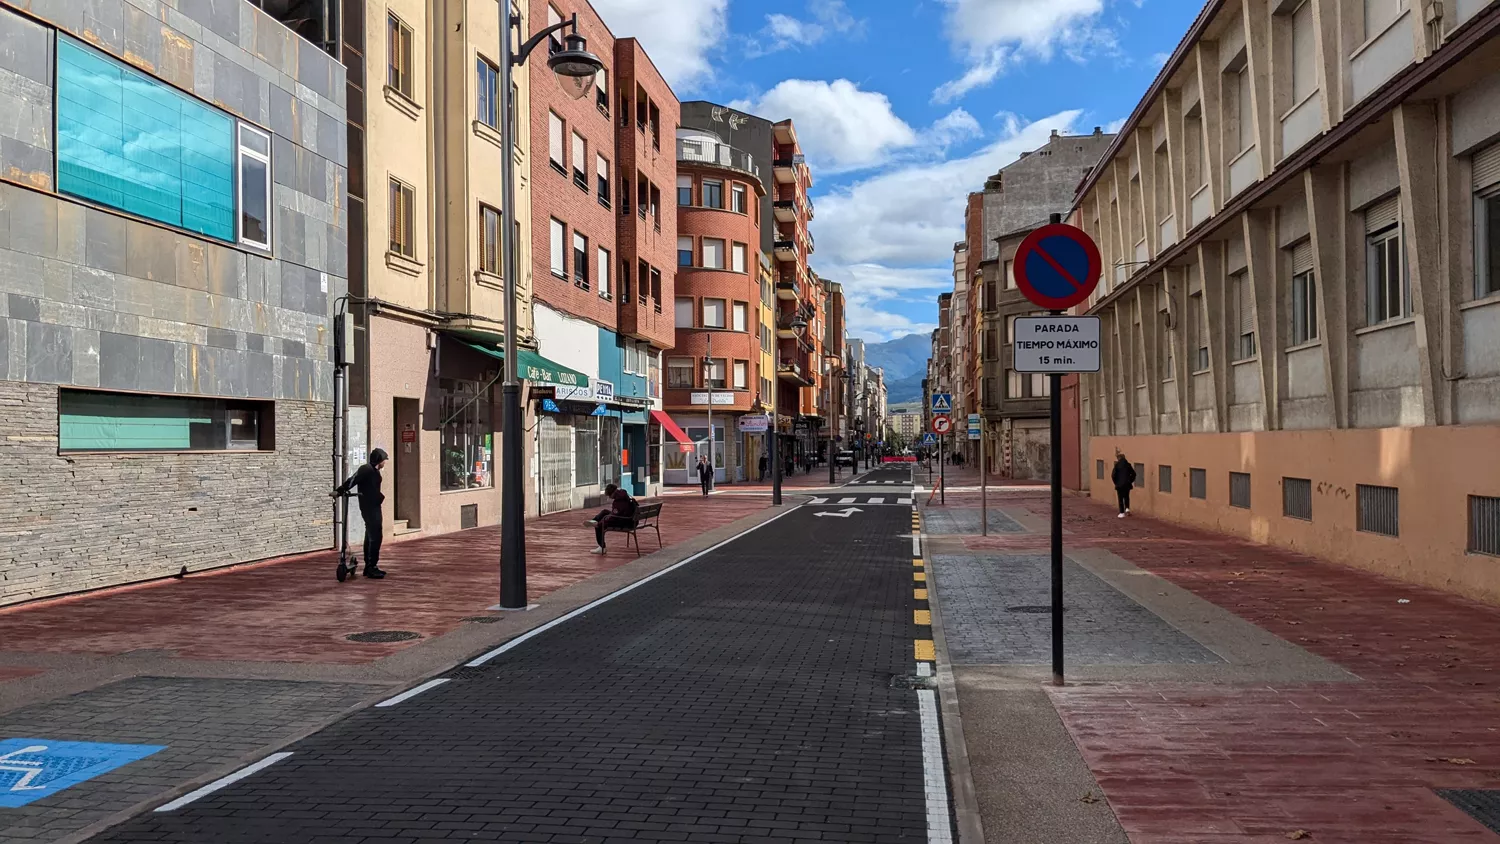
(1239, 490)
(1484, 525)
(1163, 478)
(1099, 469)
(468, 516)
(1198, 483)
(1140, 475)
(1379, 510)
(1296, 498)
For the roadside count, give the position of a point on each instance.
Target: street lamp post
(576, 69)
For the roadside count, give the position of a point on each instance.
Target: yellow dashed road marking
(919, 594)
(919, 576)
(918, 563)
(923, 617)
(925, 651)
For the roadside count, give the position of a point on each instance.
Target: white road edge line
(934, 771)
(481, 660)
(412, 692)
(222, 782)
(916, 544)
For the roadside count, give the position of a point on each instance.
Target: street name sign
(974, 426)
(1057, 266)
(941, 424)
(942, 403)
(1056, 344)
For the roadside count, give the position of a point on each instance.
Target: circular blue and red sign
(1057, 266)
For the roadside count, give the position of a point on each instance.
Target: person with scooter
(365, 482)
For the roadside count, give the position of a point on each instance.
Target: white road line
(916, 545)
(222, 782)
(411, 693)
(903, 501)
(877, 500)
(819, 501)
(924, 669)
(846, 500)
(483, 658)
(939, 828)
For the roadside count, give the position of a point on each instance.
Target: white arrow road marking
(842, 514)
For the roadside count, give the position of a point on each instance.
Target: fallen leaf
(1237, 574)
(1088, 797)
(1298, 834)
(1452, 760)
(1447, 636)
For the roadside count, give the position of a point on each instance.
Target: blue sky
(905, 107)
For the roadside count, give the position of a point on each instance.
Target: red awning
(670, 427)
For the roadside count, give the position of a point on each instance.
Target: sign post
(976, 432)
(1057, 266)
(942, 408)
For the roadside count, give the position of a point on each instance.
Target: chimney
(1098, 130)
(1054, 135)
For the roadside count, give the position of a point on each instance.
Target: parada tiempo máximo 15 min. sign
(1056, 344)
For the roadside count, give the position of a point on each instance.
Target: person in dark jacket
(765, 463)
(621, 512)
(1123, 476)
(705, 474)
(365, 482)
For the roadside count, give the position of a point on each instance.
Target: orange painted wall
(1435, 469)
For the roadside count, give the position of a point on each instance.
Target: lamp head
(576, 68)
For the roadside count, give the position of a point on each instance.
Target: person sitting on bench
(621, 512)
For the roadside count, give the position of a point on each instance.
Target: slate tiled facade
(97, 299)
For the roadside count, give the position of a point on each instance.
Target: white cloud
(1113, 127)
(953, 127)
(784, 32)
(839, 126)
(1159, 60)
(992, 34)
(679, 35)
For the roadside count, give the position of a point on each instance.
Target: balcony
(707, 151)
(785, 169)
(792, 371)
(786, 211)
(788, 288)
(786, 250)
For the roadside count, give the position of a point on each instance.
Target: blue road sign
(31, 769)
(1057, 266)
(942, 402)
(929, 439)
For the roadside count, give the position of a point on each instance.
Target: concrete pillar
(1262, 264)
(1328, 221)
(1145, 304)
(1211, 274)
(1211, 92)
(1258, 53)
(1417, 155)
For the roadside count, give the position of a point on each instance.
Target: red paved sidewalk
(1346, 763)
(293, 610)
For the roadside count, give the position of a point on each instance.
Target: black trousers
(602, 521)
(374, 533)
(704, 482)
(1124, 496)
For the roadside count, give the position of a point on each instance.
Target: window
(1099, 469)
(685, 191)
(1244, 316)
(1239, 490)
(1164, 478)
(398, 74)
(586, 451)
(655, 123)
(1010, 275)
(1200, 332)
(656, 206)
(713, 253)
(737, 257)
(1041, 385)
(1378, 509)
(489, 240)
(713, 193)
(555, 134)
(466, 440)
(604, 265)
(1198, 484)
(684, 312)
(680, 371)
(403, 241)
(1140, 475)
(1304, 53)
(1296, 498)
(559, 250)
(1013, 384)
(1304, 295)
(739, 316)
(1010, 328)
(1487, 221)
(624, 281)
(601, 175)
(1379, 13)
(742, 375)
(580, 260)
(1387, 292)
(714, 374)
(601, 90)
(94, 421)
(713, 313)
(684, 251)
(135, 164)
(740, 197)
(554, 42)
(255, 187)
(1245, 118)
(1484, 525)
(580, 160)
(487, 76)
(656, 287)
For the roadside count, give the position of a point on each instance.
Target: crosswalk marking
(820, 501)
(903, 501)
(849, 500)
(877, 500)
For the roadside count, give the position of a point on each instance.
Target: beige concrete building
(1302, 302)
(429, 254)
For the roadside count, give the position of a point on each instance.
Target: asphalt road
(746, 696)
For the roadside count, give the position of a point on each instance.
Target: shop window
(99, 421)
(466, 435)
(586, 451)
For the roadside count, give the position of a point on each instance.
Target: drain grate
(467, 673)
(1036, 609)
(1480, 804)
(911, 681)
(482, 619)
(384, 636)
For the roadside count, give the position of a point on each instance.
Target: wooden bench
(646, 516)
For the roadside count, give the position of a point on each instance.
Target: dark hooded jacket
(1123, 474)
(366, 482)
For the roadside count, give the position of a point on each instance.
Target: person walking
(1123, 476)
(765, 463)
(705, 474)
(366, 484)
(621, 512)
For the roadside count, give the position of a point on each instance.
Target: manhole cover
(1039, 609)
(384, 636)
(1480, 804)
(467, 673)
(911, 681)
(482, 619)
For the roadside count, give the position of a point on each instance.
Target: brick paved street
(744, 697)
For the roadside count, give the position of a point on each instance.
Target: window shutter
(1382, 214)
(1487, 167)
(1246, 302)
(1302, 260)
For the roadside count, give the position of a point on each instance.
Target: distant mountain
(901, 357)
(908, 389)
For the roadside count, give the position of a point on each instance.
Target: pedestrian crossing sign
(929, 439)
(942, 402)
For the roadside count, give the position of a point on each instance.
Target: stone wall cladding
(83, 521)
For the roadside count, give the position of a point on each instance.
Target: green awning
(535, 368)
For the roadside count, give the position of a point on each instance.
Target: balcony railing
(791, 161)
(704, 151)
(786, 250)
